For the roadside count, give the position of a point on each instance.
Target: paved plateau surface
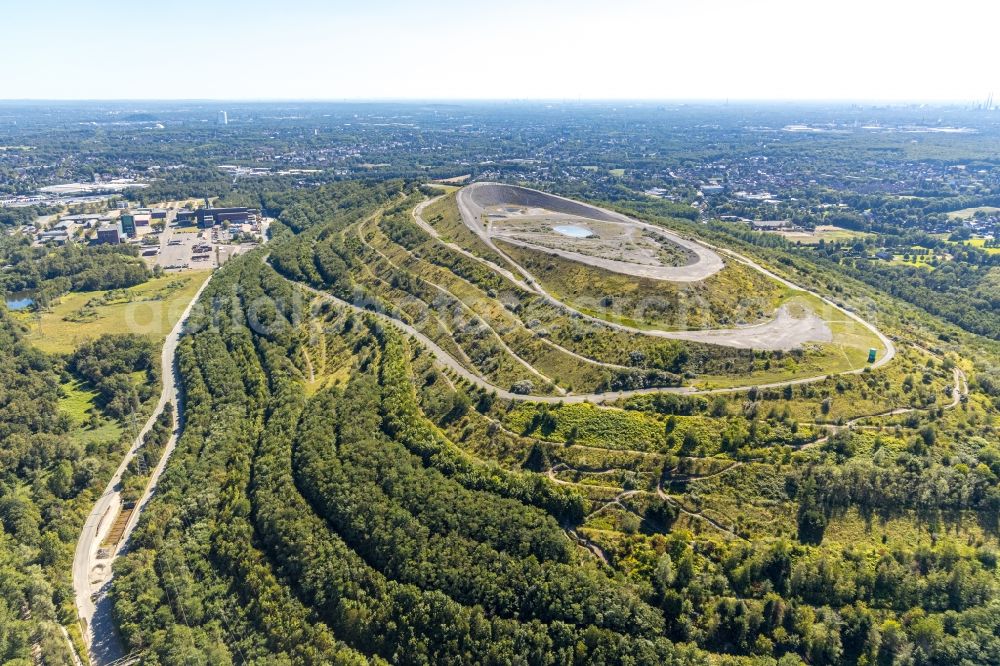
(473, 199)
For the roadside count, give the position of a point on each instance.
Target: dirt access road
(91, 574)
(473, 200)
(784, 332)
(451, 363)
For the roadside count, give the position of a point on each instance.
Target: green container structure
(128, 225)
(871, 355)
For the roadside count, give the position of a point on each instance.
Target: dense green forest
(363, 583)
(51, 464)
(36, 473)
(108, 363)
(49, 273)
(336, 499)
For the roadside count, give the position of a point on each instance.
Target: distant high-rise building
(223, 118)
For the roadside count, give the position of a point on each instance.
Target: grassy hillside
(736, 295)
(337, 496)
(150, 309)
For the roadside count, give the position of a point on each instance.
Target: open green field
(920, 261)
(149, 309)
(444, 188)
(973, 242)
(917, 256)
(966, 213)
(826, 233)
(77, 402)
(981, 244)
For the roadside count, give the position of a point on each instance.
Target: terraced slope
(584, 284)
(362, 531)
(342, 495)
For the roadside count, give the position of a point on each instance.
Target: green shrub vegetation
(735, 295)
(337, 497)
(50, 273)
(61, 425)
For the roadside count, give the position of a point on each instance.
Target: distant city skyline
(447, 49)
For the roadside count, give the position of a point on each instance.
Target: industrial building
(209, 217)
(110, 234)
(54, 236)
(772, 225)
(127, 223)
(83, 219)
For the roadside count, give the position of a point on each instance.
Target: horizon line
(506, 100)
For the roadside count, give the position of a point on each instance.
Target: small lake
(573, 231)
(19, 301)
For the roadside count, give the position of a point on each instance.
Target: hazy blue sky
(770, 49)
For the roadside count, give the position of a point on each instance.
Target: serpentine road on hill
(783, 332)
(449, 362)
(92, 574)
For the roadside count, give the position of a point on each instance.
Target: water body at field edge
(19, 300)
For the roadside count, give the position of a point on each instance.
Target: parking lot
(190, 248)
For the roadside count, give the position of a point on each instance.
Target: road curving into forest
(92, 574)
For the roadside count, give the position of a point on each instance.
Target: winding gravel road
(448, 361)
(473, 199)
(92, 574)
(783, 332)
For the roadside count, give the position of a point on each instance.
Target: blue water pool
(19, 302)
(573, 230)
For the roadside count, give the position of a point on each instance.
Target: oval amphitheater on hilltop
(527, 218)
(603, 239)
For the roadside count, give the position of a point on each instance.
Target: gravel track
(474, 199)
(91, 575)
(783, 333)
(738, 336)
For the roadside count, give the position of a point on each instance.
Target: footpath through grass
(150, 309)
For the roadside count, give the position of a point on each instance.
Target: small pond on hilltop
(573, 230)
